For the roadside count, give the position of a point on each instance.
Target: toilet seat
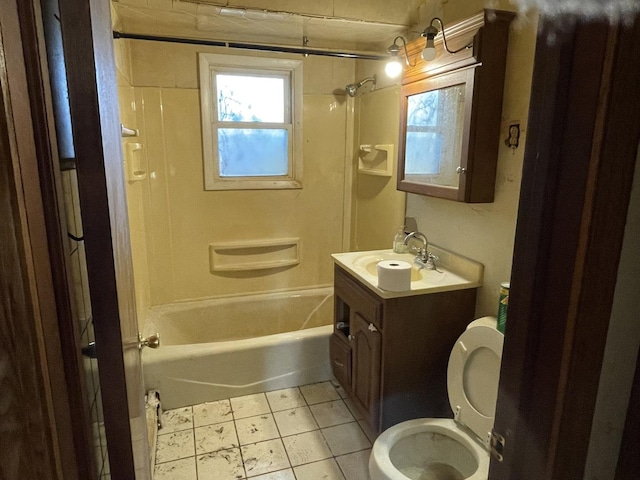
(381, 465)
(473, 374)
(425, 444)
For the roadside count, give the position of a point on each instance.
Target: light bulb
(393, 68)
(429, 53)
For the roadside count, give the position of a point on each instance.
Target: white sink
(369, 262)
(454, 272)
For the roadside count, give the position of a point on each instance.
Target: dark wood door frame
(579, 162)
(51, 338)
(56, 238)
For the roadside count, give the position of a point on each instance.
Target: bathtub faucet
(423, 257)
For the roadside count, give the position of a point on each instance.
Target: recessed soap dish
(376, 159)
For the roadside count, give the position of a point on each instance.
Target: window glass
(252, 152)
(244, 98)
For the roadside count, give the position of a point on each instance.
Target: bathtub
(221, 348)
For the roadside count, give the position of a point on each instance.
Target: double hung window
(251, 122)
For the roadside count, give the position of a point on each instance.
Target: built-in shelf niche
(376, 160)
(251, 255)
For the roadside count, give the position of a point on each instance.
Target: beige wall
(134, 189)
(485, 232)
(180, 219)
(379, 207)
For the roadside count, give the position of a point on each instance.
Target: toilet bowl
(442, 448)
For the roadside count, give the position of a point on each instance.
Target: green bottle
(503, 304)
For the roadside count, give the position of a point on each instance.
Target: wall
(485, 232)
(378, 208)
(180, 219)
(135, 190)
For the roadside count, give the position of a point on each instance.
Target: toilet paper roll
(394, 275)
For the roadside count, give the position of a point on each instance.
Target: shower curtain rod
(249, 46)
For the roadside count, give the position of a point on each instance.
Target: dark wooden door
(95, 124)
(366, 344)
(584, 129)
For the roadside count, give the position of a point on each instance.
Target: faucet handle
(431, 261)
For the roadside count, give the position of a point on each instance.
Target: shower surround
(176, 225)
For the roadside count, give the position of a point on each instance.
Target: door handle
(152, 341)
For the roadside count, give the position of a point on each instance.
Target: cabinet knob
(372, 328)
(461, 170)
(350, 337)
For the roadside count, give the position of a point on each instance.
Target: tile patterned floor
(308, 433)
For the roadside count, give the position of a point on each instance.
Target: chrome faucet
(423, 257)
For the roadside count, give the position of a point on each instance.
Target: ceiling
(254, 25)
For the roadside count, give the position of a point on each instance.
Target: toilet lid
(473, 375)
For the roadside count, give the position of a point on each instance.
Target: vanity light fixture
(429, 53)
(393, 68)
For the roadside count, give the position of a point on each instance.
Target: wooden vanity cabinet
(391, 355)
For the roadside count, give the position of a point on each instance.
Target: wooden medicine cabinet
(451, 110)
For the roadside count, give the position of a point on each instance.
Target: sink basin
(369, 262)
(454, 271)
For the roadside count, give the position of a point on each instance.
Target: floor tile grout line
(173, 460)
(286, 452)
(332, 401)
(195, 449)
(271, 412)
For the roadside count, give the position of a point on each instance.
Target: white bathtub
(215, 349)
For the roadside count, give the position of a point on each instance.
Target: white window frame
(211, 64)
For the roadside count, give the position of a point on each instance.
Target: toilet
(442, 448)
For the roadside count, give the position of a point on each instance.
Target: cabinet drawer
(358, 299)
(340, 353)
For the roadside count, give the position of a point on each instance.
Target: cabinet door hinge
(496, 445)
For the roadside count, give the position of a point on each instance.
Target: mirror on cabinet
(450, 112)
(435, 128)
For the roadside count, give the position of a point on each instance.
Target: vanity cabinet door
(340, 352)
(366, 343)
